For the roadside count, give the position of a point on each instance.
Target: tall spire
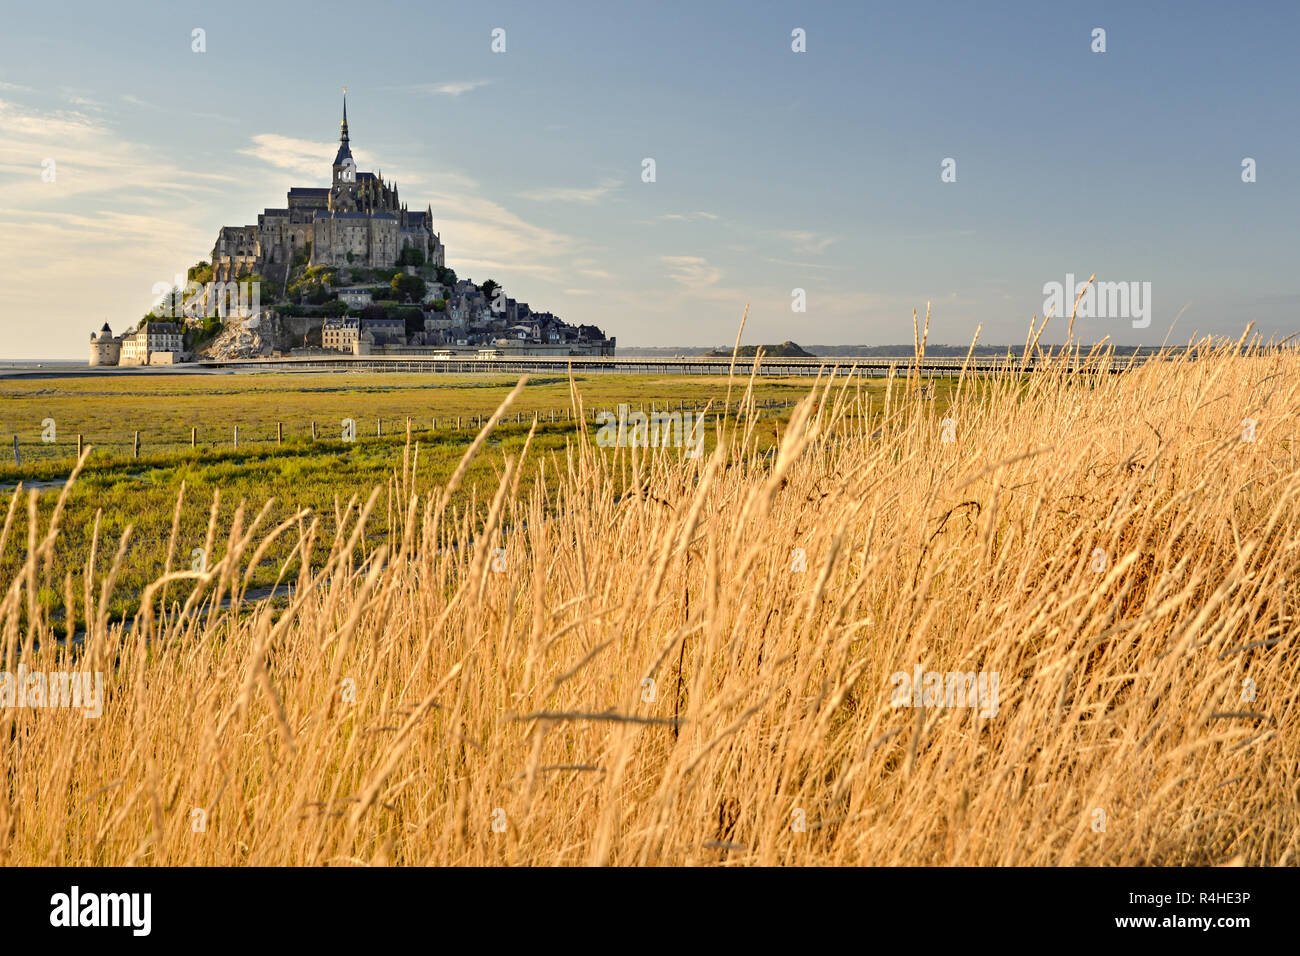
(345, 152)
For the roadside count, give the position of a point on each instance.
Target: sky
(775, 170)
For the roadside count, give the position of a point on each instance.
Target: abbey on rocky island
(343, 270)
(359, 220)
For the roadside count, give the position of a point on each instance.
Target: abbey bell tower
(343, 192)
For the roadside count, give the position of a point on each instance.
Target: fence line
(137, 440)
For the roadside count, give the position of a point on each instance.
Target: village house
(385, 331)
(340, 333)
(355, 298)
(154, 343)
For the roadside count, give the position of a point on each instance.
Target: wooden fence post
(279, 433)
(78, 446)
(194, 434)
(17, 458)
(379, 427)
(135, 446)
(313, 431)
(236, 436)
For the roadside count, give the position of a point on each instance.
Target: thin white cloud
(190, 114)
(590, 268)
(479, 228)
(88, 158)
(573, 194)
(694, 272)
(800, 265)
(449, 88)
(686, 216)
(807, 243)
(50, 126)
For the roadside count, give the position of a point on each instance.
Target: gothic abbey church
(359, 220)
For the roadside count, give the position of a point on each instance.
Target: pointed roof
(344, 152)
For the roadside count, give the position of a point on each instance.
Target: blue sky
(775, 170)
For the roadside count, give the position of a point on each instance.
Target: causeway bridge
(628, 365)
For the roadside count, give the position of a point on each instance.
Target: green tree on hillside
(408, 288)
(410, 256)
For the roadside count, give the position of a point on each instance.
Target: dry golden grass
(518, 697)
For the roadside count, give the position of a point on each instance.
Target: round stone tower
(105, 348)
